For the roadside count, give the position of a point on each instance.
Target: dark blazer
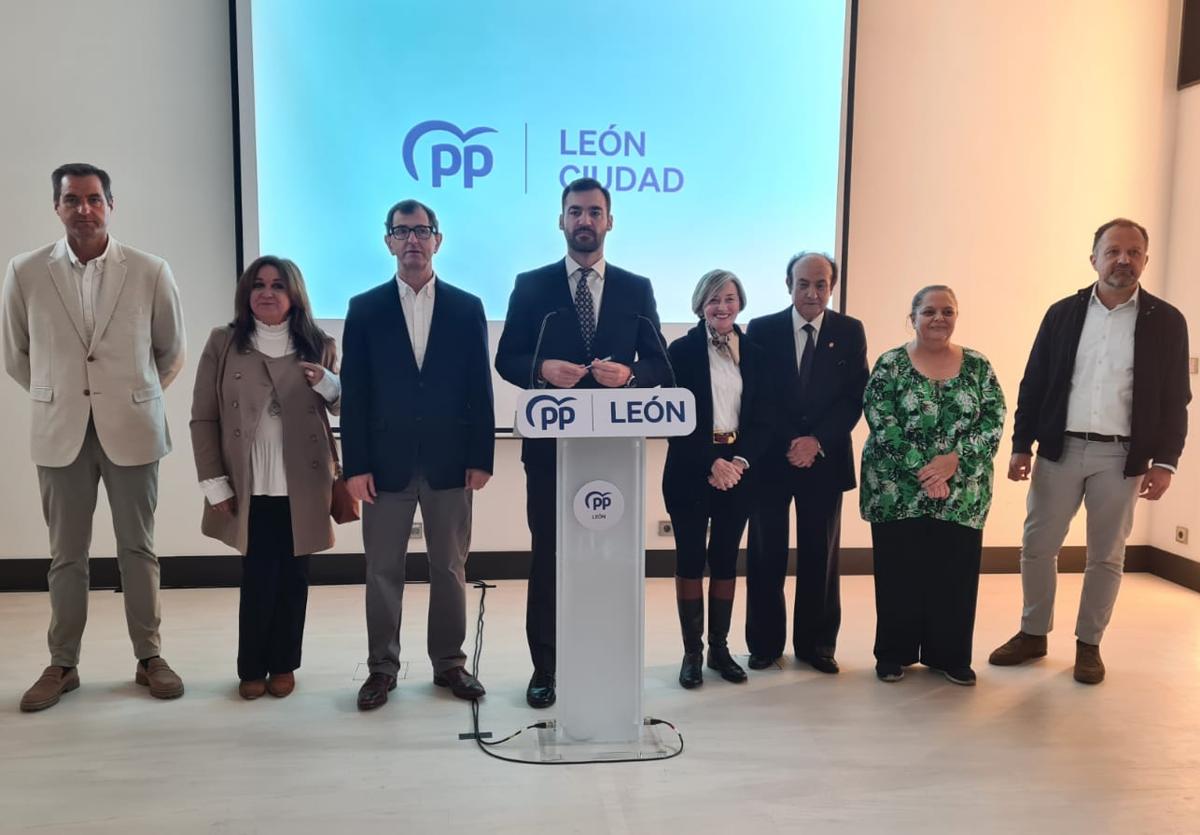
(690, 457)
(1160, 382)
(832, 404)
(398, 420)
(541, 307)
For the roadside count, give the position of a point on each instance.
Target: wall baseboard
(224, 571)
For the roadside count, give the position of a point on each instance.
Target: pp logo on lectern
(472, 161)
(546, 411)
(599, 505)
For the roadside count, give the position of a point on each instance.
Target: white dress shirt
(726, 389)
(87, 281)
(595, 283)
(1101, 398)
(798, 323)
(267, 474)
(418, 314)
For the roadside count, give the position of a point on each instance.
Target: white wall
(1178, 258)
(991, 138)
(141, 88)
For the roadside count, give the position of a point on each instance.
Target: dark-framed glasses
(401, 233)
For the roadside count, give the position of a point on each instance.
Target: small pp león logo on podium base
(599, 505)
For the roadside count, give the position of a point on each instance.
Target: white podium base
(551, 745)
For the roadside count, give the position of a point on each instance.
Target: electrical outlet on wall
(1181, 534)
(417, 532)
(665, 528)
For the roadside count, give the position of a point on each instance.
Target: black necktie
(585, 310)
(806, 358)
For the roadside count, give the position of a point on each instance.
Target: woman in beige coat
(264, 460)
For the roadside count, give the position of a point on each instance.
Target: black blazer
(541, 306)
(398, 420)
(831, 406)
(1160, 382)
(690, 457)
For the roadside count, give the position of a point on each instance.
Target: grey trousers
(1090, 472)
(69, 503)
(387, 523)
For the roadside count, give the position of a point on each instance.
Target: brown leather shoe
(1089, 669)
(281, 685)
(461, 683)
(160, 678)
(1018, 649)
(374, 692)
(253, 689)
(49, 687)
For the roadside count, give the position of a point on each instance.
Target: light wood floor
(1027, 751)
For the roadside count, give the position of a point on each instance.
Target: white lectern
(601, 558)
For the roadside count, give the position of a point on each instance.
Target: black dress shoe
(820, 663)
(720, 660)
(760, 662)
(374, 692)
(540, 692)
(691, 673)
(461, 683)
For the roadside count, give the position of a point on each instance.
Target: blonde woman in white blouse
(264, 460)
(708, 474)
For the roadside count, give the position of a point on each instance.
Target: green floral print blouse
(913, 418)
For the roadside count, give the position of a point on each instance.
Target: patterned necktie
(585, 310)
(806, 358)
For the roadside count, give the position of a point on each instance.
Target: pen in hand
(602, 359)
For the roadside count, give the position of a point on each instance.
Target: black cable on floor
(485, 745)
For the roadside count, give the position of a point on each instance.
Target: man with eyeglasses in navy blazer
(820, 362)
(418, 428)
(577, 323)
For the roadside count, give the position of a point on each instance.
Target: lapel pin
(830, 345)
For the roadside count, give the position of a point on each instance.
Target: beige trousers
(69, 503)
(1091, 473)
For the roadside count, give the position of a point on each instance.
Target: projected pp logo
(549, 412)
(450, 160)
(599, 505)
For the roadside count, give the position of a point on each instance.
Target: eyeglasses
(401, 233)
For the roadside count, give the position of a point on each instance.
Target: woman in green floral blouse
(936, 412)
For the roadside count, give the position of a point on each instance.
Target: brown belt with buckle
(725, 438)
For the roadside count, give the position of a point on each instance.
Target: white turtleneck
(267, 474)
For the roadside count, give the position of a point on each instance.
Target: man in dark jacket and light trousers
(418, 428)
(1105, 397)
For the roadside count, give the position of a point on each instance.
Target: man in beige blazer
(92, 329)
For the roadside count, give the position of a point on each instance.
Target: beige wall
(991, 138)
(1178, 258)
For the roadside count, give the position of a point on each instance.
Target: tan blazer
(232, 388)
(118, 378)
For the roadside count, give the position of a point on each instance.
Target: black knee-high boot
(720, 612)
(689, 597)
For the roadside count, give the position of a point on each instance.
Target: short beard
(585, 246)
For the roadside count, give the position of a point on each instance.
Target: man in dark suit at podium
(820, 371)
(576, 323)
(418, 428)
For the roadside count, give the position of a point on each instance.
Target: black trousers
(817, 611)
(926, 584)
(541, 514)
(728, 511)
(274, 593)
